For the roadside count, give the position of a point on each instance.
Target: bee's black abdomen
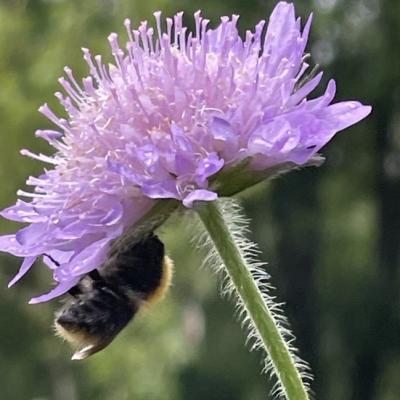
(99, 312)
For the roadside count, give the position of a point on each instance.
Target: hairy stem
(267, 329)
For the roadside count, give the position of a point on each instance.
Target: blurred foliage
(331, 234)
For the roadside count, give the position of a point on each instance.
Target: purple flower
(173, 110)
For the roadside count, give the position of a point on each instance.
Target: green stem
(235, 264)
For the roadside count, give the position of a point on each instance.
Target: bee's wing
(89, 350)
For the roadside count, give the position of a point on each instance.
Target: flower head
(172, 111)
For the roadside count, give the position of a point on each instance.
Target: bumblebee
(107, 299)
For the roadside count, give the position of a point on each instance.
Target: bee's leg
(95, 276)
(75, 291)
(56, 263)
(80, 287)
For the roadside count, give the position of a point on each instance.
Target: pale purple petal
(275, 139)
(184, 163)
(9, 244)
(59, 290)
(342, 115)
(199, 195)
(161, 190)
(26, 265)
(31, 234)
(226, 140)
(305, 90)
(22, 212)
(87, 260)
(207, 167)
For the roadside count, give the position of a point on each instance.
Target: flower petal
(26, 265)
(199, 195)
(347, 113)
(59, 290)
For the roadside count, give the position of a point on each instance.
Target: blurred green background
(331, 235)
